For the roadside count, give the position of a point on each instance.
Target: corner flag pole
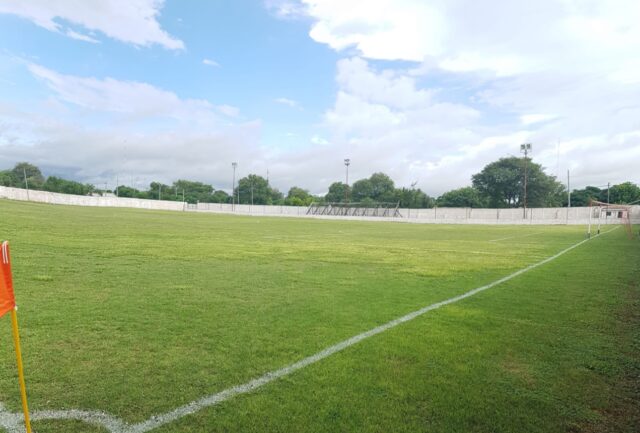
(8, 304)
(23, 386)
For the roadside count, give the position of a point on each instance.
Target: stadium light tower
(233, 186)
(347, 163)
(525, 148)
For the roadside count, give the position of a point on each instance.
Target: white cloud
(132, 21)
(289, 102)
(210, 62)
(228, 110)
(485, 77)
(286, 9)
(532, 119)
(98, 155)
(79, 36)
(316, 139)
(503, 37)
(129, 98)
(385, 29)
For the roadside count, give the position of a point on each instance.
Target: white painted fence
(575, 215)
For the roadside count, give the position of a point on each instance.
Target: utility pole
(251, 192)
(117, 182)
(233, 186)
(525, 148)
(568, 189)
(26, 182)
(608, 187)
(347, 163)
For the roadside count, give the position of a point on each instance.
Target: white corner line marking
(13, 422)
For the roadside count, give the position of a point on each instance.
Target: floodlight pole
(233, 186)
(26, 182)
(525, 148)
(568, 194)
(568, 189)
(347, 163)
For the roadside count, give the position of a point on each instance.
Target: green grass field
(138, 312)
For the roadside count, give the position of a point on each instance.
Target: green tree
(298, 197)
(35, 179)
(361, 190)
(382, 187)
(379, 188)
(57, 184)
(7, 178)
(127, 191)
(461, 197)
(626, 192)
(220, 196)
(194, 192)
(412, 198)
(502, 184)
(337, 192)
(582, 197)
(257, 187)
(158, 190)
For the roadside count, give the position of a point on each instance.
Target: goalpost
(608, 211)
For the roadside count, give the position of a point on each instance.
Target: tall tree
(194, 192)
(382, 187)
(362, 189)
(35, 179)
(412, 198)
(57, 184)
(257, 187)
(298, 197)
(7, 178)
(220, 196)
(626, 192)
(502, 184)
(377, 188)
(336, 192)
(582, 197)
(462, 197)
(158, 190)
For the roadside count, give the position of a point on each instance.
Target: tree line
(500, 184)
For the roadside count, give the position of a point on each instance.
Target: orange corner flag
(7, 299)
(8, 304)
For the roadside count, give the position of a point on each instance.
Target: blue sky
(421, 90)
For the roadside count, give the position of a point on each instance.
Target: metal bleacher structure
(388, 210)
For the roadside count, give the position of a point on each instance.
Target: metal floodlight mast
(347, 163)
(525, 148)
(233, 186)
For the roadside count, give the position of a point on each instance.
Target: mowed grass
(137, 312)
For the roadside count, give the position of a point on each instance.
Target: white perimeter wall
(575, 215)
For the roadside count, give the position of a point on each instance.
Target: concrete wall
(576, 215)
(85, 200)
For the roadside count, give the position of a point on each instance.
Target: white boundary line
(13, 422)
